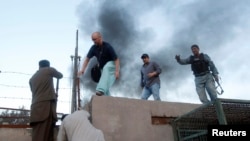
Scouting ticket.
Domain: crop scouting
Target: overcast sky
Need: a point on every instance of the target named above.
(31, 31)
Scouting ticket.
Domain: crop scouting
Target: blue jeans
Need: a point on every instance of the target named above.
(154, 90)
(206, 82)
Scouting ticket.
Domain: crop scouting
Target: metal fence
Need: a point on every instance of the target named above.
(16, 118)
(193, 126)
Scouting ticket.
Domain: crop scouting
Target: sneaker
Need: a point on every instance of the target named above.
(99, 93)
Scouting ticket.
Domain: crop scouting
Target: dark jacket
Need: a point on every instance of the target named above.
(43, 93)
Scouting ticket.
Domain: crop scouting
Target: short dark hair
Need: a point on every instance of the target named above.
(144, 56)
(44, 63)
(194, 45)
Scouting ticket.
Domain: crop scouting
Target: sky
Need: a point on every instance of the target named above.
(31, 31)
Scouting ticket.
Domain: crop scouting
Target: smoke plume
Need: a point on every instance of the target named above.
(162, 29)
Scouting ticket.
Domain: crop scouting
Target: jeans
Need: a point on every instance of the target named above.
(154, 90)
(206, 82)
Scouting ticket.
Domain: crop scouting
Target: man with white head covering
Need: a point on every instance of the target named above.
(77, 127)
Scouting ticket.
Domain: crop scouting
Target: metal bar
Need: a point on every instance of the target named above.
(193, 111)
(220, 113)
(233, 100)
(57, 86)
(175, 131)
(14, 126)
(200, 133)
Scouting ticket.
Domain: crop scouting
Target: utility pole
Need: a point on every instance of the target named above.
(75, 77)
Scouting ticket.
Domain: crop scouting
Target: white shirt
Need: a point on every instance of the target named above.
(77, 127)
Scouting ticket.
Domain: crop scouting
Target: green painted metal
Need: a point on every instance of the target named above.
(193, 125)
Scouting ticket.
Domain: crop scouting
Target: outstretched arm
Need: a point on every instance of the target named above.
(178, 58)
(85, 64)
(182, 61)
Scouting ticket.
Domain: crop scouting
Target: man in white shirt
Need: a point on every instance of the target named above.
(77, 127)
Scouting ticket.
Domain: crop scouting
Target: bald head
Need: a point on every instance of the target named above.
(96, 34)
(97, 38)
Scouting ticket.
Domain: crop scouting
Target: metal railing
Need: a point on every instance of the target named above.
(16, 118)
(193, 126)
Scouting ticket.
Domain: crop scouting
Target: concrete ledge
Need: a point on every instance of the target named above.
(15, 134)
(124, 119)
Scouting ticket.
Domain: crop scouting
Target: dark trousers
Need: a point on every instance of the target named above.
(44, 130)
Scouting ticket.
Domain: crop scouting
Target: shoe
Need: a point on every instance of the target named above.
(99, 93)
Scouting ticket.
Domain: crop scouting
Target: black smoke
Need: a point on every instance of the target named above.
(132, 28)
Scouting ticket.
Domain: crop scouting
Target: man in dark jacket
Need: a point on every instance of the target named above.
(204, 71)
(43, 107)
(108, 62)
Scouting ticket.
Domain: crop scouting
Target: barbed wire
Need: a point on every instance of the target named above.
(13, 72)
(15, 86)
(26, 87)
(69, 78)
(21, 98)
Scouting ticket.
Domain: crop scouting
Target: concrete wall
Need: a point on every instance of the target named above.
(15, 134)
(19, 134)
(123, 119)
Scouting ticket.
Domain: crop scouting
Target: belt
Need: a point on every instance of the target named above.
(201, 74)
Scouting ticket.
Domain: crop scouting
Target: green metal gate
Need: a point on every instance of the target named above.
(193, 126)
